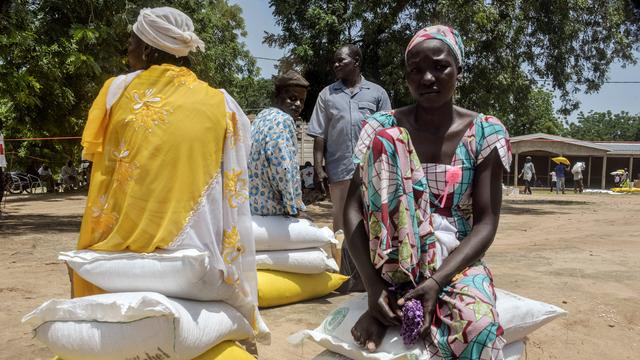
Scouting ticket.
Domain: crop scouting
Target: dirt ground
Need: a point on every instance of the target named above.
(580, 252)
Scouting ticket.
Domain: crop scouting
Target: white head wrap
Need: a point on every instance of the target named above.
(167, 29)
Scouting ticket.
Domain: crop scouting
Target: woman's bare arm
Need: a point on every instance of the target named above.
(380, 304)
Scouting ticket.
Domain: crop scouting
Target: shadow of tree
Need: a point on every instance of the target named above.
(325, 299)
(325, 205)
(18, 224)
(516, 210)
(53, 197)
(321, 212)
(546, 202)
(536, 206)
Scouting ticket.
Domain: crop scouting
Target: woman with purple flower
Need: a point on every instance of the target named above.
(424, 208)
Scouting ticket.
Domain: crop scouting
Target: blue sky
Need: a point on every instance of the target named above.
(258, 19)
(614, 97)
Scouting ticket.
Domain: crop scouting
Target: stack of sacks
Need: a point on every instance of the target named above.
(169, 304)
(293, 262)
(138, 325)
(519, 317)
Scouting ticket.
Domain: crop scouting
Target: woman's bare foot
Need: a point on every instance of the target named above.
(368, 332)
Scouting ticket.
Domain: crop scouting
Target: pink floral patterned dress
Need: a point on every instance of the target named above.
(406, 206)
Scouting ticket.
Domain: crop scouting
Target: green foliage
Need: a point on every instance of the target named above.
(509, 45)
(605, 126)
(256, 94)
(534, 114)
(56, 54)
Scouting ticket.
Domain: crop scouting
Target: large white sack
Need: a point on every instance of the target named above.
(301, 261)
(511, 351)
(132, 325)
(518, 316)
(185, 274)
(446, 236)
(285, 233)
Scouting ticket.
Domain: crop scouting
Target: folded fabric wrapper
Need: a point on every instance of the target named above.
(519, 317)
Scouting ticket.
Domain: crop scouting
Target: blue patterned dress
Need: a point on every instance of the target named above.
(274, 174)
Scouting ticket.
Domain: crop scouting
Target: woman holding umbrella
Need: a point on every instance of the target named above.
(561, 167)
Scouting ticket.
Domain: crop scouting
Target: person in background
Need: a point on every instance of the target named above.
(44, 173)
(32, 169)
(624, 180)
(577, 169)
(1, 187)
(335, 126)
(560, 170)
(3, 164)
(274, 173)
(69, 176)
(85, 172)
(307, 175)
(554, 179)
(528, 175)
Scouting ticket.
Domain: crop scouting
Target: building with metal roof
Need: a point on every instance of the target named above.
(600, 158)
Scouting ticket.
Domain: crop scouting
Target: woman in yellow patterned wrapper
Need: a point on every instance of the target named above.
(169, 161)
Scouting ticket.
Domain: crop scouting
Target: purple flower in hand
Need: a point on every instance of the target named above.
(412, 320)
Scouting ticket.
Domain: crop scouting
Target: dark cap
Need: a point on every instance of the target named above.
(291, 78)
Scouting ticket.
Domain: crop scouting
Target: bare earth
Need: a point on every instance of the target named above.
(580, 252)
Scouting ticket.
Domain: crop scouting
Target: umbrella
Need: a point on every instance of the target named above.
(561, 160)
(617, 172)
